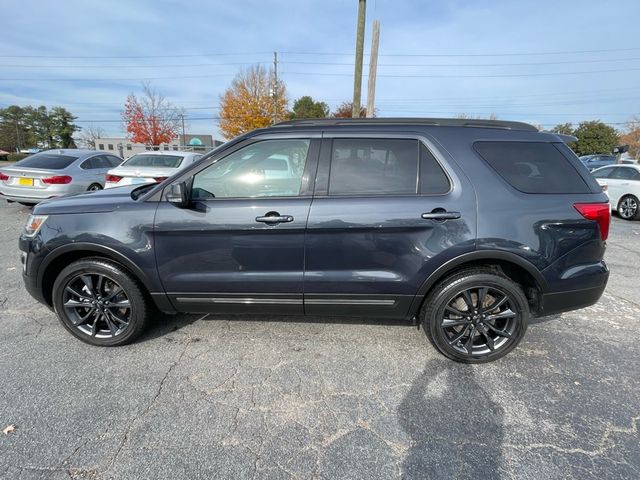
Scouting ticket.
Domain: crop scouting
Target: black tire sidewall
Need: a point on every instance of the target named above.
(114, 272)
(91, 189)
(453, 285)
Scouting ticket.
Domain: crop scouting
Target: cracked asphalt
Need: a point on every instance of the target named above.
(249, 397)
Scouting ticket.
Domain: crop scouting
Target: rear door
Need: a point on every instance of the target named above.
(240, 244)
(387, 211)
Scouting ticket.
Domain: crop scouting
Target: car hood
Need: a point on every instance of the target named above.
(88, 202)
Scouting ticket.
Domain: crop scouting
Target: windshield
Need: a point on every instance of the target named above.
(48, 160)
(157, 161)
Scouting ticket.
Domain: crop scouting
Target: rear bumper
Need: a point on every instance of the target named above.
(25, 199)
(551, 303)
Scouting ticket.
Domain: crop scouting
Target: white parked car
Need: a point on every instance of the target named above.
(149, 167)
(623, 182)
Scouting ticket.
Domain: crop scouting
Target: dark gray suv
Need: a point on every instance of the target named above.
(469, 227)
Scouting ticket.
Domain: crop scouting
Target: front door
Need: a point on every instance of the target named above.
(240, 244)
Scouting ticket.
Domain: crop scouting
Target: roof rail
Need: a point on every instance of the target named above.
(442, 122)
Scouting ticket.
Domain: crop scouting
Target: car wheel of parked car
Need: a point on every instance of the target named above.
(475, 316)
(94, 187)
(100, 303)
(628, 208)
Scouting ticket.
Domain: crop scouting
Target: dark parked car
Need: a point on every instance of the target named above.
(467, 226)
(596, 161)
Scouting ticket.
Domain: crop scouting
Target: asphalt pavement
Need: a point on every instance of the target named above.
(292, 397)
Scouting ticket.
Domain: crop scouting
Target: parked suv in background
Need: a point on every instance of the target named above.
(468, 226)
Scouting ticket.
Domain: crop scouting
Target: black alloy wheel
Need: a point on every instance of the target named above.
(475, 316)
(100, 303)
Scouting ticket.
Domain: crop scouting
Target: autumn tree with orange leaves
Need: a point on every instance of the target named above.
(249, 102)
(150, 119)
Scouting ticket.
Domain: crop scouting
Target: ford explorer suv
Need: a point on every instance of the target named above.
(467, 227)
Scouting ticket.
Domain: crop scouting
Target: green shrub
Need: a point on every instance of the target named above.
(14, 157)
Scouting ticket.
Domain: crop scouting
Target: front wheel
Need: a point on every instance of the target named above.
(100, 303)
(475, 316)
(628, 208)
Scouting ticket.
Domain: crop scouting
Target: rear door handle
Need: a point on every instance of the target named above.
(274, 218)
(441, 215)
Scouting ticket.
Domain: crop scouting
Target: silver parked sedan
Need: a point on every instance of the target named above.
(55, 173)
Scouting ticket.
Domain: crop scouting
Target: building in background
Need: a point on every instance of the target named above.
(124, 148)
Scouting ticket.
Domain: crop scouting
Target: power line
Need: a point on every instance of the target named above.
(220, 54)
(501, 54)
(183, 77)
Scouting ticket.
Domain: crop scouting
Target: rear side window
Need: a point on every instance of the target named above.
(433, 180)
(369, 166)
(532, 167)
(603, 172)
(49, 161)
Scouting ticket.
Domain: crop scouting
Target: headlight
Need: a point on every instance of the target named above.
(33, 224)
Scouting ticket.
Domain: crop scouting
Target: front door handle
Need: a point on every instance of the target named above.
(273, 218)
(439, 214)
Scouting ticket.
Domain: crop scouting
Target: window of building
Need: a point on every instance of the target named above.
(101, 146)
(110, 146)
(128, 146)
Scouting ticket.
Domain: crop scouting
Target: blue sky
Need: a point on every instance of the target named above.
(543, 62)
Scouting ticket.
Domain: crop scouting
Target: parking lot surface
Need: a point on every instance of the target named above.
(293, 397)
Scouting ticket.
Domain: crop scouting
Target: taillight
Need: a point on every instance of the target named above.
(599, 212)
(160, 179)
(112, 178)
(57, 180)
(4, 177)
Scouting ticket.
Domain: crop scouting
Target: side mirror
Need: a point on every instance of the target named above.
(177, 195)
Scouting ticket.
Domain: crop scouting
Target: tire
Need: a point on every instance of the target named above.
(478, 337)
(88, 302)
(94, 187)
(629, 208)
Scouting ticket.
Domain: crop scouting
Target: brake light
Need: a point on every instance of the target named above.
(112, 178)
(4, 177)
(57, 180)
(598, 212)
(160, 179)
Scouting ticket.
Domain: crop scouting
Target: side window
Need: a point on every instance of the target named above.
(373, 167)
(87, 164)
(113, 162)
(532, 167)
(623, 173)
(269, 168)
(603, 172)
(433, 180)
(93, 163)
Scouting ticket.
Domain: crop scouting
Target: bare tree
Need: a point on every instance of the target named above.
(90, 134)
(151, 119)
(466, 116)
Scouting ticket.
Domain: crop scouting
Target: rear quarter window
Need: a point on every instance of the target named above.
(532, 167)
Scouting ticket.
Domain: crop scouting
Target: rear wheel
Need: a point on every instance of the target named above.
(94, 187)
(475, 316)
(628, 208)
(100, 303)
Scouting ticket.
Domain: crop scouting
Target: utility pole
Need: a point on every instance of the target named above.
(184, 141)
(275, 87)
(357, 74)
(373, 68)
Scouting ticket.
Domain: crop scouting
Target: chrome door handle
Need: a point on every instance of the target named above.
(274, 218)
(441, 215)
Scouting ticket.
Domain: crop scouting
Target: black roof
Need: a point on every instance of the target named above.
(443, 122)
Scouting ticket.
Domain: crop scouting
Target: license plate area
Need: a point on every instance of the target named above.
(25, 182)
